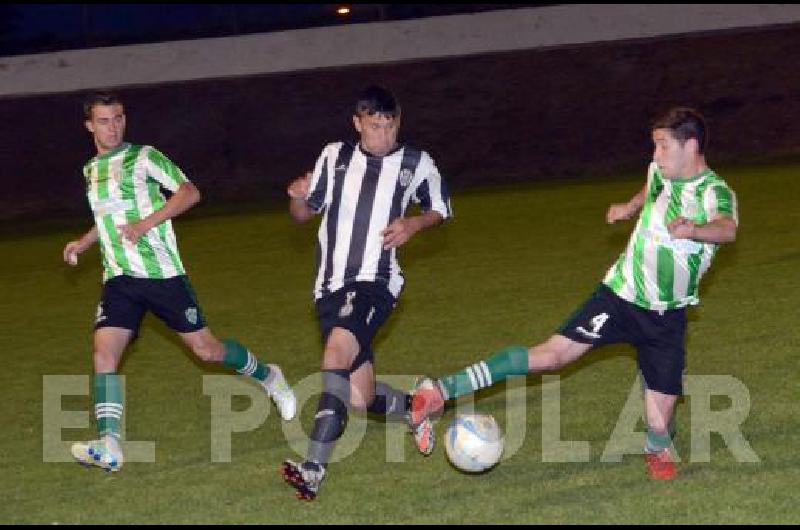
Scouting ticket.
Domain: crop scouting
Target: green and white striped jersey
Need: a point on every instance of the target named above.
(123, 187)
(656, 271)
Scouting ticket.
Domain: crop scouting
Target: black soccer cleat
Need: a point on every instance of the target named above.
(305, 478)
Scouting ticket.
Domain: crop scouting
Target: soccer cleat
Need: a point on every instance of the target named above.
(305, 478)
(426, 401)
(104, 453)
(281, 393)
(660, 465)
(424, 436)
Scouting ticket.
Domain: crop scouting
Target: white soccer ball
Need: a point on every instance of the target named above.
(473, 442)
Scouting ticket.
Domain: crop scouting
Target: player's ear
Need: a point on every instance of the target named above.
(357, 122)
(89, 126)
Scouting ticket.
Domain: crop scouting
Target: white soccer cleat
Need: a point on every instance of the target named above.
(281, 393)
(105, 453)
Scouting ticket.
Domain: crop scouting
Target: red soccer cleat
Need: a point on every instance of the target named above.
(426, 401)
(660, 465)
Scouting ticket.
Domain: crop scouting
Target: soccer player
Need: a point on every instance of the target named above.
(143, 271)
(687, 211)
(364, 190)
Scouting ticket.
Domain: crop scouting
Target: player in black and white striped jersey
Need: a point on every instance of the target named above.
(363, 191)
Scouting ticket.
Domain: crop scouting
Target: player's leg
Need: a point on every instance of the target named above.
(106, 451)
(395, 405)
(362, 387)
(378, 397)
(557, 351)
(658, 411)
(593, 324)
(119, 315)
(235, 356)
(330, 420)
(661, 358)
(174, 301)
(659, 408)
(349, 319)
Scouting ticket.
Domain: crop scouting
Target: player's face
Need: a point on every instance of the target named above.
(378, 132)
(673, 158)
(107, 125)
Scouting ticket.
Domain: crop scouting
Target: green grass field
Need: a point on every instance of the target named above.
(512, 265)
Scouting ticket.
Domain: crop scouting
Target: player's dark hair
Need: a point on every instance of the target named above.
(100, 97)
(685, 123)
(377, 99)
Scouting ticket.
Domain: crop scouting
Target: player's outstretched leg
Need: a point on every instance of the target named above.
(429, 396)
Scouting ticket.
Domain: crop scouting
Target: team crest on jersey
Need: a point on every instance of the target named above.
(191, 315)
(405, 176)
(347, 308)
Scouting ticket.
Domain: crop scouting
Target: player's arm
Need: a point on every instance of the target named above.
(626, 210)
(186, 196)
(403, 228)
(431, 194)
(298, 191)
(73, 248)
(720, 229)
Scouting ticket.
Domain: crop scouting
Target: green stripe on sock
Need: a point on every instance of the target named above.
(503, 364)
(108, 404)
(236, 357)
(657, 442)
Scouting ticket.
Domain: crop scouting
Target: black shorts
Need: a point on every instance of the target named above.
(658, 336)
(360, 308)
(125, 300)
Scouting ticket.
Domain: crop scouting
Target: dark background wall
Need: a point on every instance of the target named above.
(493, 118)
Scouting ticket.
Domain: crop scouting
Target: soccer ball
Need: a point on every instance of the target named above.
(473, 442)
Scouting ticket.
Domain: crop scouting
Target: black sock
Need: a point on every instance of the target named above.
(390, 402)
(331, 418)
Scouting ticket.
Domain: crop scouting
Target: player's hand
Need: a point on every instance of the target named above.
(71, 251)
(619, 212)
(298, 188)
(398, 232)
(133, 231)
(682, 228)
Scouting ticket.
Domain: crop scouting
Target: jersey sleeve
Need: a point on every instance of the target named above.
(319, 195)
(163, 170)
(431, 191)
(719, 199)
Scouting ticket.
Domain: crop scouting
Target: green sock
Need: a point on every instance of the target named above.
(108, 404)
(498, 367)
(657, 442)
(244, 362)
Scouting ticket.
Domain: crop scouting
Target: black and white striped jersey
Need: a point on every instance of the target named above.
(361, 194)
